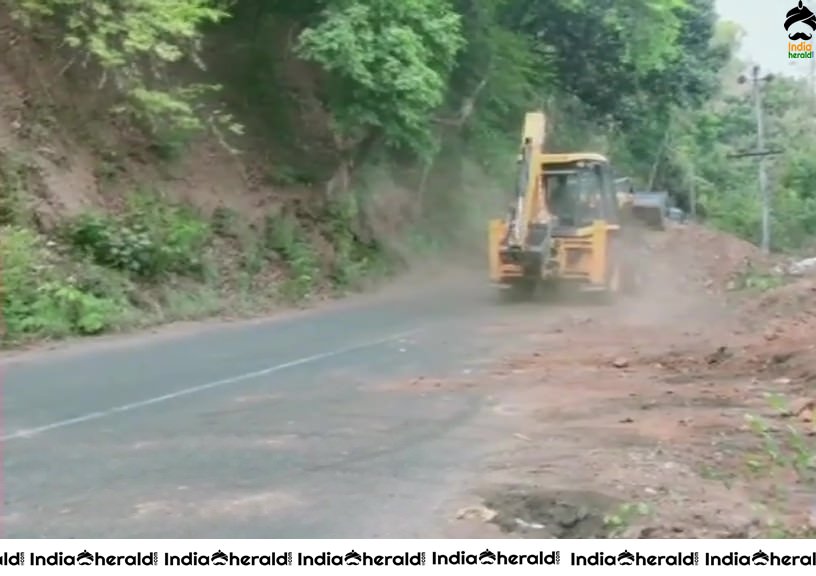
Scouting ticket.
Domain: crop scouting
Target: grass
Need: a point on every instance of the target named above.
(756, 281)
(783, 459)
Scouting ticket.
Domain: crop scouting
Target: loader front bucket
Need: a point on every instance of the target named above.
(650, 208)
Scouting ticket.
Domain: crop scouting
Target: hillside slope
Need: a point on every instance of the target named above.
(183, 158)
(103, 229)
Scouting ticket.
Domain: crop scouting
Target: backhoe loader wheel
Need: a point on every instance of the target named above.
(615, 279)
(617, 276)
(632, 270)
(629, 281)
(624, 272)
(520, 291)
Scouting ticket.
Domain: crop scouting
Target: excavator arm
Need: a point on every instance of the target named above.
(529, 200)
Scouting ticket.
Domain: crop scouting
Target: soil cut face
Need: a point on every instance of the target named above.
(654, 418)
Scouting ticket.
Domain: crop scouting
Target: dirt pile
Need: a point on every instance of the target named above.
(774, 312)
(795, 299)
(780, 324)
(709, 257)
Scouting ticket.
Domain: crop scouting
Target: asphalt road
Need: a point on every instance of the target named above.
(299, 427)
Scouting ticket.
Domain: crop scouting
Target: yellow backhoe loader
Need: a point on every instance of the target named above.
(564, 225)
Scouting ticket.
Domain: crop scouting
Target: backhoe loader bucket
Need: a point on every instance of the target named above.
(650, 208)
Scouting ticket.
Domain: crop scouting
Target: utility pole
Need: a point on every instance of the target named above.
(761, 153)
(763, 175)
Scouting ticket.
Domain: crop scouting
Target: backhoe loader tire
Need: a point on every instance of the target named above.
(630, 256)
(520, 291)
(629, 280)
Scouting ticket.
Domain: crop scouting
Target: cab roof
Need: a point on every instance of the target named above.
(573, 157)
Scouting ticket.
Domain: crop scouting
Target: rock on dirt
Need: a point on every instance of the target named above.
(534, 513)
(480, 513)
(801, 407)
(770, 334)
(721, 354)
(803, 267)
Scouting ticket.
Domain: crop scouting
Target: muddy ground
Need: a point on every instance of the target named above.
(675, 414)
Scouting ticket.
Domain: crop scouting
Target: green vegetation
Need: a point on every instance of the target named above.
(158, 260)
(287, 237)
(49, 296)
(152, 239)
(618, 521)
(783, 458)
(389, 64)
(426, 95)
(758, 281)
(133, 44)
(699, 141)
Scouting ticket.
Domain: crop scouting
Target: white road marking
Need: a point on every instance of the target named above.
(200, 388)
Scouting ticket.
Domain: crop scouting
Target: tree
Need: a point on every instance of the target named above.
(389, 64)
(132, 44)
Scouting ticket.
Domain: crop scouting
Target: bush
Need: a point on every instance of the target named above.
(354, 261)
(285, 236)
(13, 184)
(152, 240)
(41, 297)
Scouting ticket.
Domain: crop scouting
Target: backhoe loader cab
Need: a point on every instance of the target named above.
(577, 190)
(564, 220)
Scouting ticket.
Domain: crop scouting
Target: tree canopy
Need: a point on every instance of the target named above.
(647, 81)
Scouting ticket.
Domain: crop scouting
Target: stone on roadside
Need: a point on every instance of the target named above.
(620, 362)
